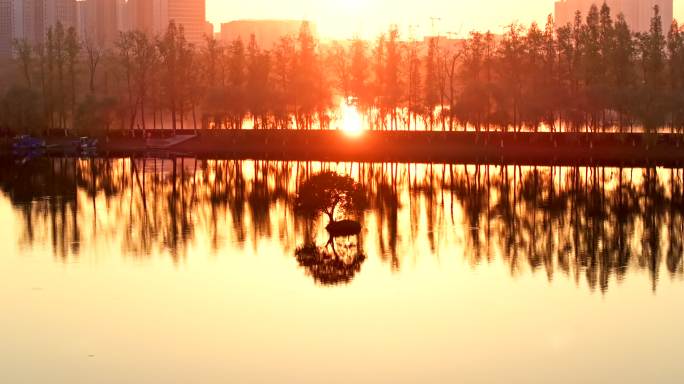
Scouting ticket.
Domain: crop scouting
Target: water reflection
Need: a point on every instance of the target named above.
(590, 224)
(337, 262)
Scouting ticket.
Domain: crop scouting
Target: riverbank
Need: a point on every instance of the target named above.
(607, 149)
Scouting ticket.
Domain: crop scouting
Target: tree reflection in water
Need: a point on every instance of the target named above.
(340, 199)
(590, 224)
(335, 263)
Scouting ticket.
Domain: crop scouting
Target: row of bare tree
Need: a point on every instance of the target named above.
(594, 74)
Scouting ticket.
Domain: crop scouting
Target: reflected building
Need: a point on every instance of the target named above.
(638, 13)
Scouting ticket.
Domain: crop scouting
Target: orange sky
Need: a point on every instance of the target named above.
(345, 18)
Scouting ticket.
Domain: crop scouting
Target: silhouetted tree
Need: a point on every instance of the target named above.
(651, 47)
(25, 55)
(432, 86)
(675, 65)
(359, 74)
(592, 74)
(329, 192)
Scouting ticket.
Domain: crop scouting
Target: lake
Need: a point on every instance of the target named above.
(188, 270)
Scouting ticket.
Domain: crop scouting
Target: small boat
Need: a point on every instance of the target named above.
(27, 143)
(86, 146)
(87, 143)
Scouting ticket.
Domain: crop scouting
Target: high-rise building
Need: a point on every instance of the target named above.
(145, 15)
(82, 18)
(37, 16)
(62, 11)
(121, 21)
(20, 19)
(154, 16)
(100, 21)
(6, 28)
(638, 13)
(191, 14)
(33, 21)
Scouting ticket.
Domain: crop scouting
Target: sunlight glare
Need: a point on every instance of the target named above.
(352, 122)
(353, 4)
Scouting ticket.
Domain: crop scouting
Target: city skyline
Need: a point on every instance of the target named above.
(100, 21)
(338, 19)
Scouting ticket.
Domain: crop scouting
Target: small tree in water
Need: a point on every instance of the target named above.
(330, 193)
(341, 257)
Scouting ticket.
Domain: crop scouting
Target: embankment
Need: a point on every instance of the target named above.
(609, 149)
(444, 147)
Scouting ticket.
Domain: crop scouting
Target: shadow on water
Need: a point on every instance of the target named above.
(593, 225)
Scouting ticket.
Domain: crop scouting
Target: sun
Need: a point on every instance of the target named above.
(352, 122)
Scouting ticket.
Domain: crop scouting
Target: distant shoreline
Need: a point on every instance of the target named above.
(524, 148)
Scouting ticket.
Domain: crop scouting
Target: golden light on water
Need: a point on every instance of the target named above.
(204, 247)
(351, 120)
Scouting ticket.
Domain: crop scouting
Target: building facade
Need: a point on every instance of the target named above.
(35, 17)
(638, 13)
(99, 21)
(6, 28)
(191, 14)
(145, 15)
(33, 21)
(59, 11)
(153, 17)
(30, 19)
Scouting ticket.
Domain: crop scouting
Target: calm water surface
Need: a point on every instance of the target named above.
(196, 271)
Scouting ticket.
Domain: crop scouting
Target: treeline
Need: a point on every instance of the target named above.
(591, 75)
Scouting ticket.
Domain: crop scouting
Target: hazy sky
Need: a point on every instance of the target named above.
(345, 18)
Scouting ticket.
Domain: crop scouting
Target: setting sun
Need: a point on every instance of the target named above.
(351, 120)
